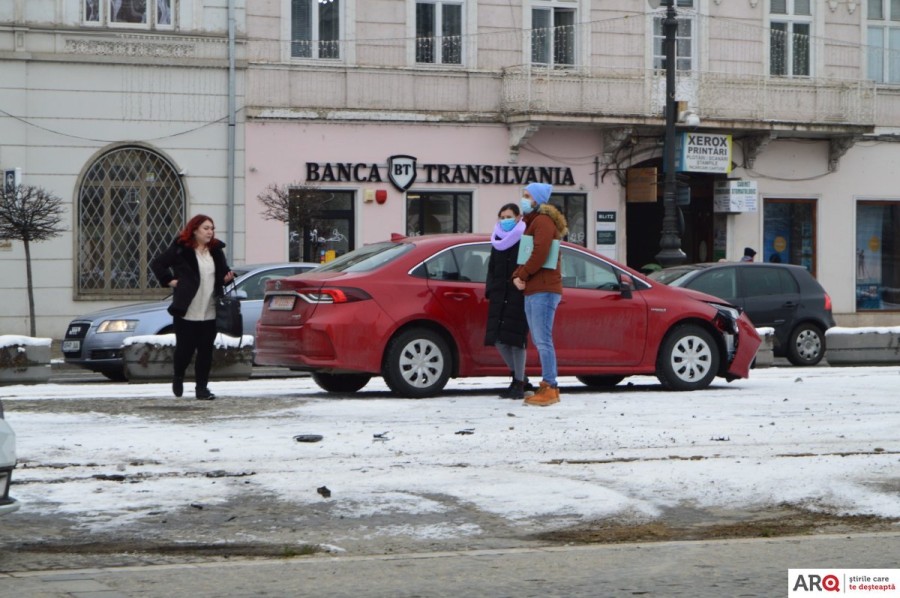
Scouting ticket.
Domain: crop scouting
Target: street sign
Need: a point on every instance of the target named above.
(12, 178)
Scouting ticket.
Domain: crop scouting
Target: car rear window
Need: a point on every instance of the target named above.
(366, 258)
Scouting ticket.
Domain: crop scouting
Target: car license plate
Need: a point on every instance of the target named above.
(71, 346)
(282, 303)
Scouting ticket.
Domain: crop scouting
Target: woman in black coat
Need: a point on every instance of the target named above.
(196, 268)
(507, 328)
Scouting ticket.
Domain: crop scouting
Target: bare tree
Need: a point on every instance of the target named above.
(298, 206)
(29, 214)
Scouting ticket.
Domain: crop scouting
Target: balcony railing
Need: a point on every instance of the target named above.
(482, 76)
(715, 96)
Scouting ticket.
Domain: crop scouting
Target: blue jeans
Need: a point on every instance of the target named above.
(540, 309)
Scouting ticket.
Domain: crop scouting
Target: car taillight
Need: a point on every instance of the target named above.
(334, 295)
(827, 302)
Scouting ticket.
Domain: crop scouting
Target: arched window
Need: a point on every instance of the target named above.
(130, 207)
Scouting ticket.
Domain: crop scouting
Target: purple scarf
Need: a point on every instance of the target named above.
(502, 240)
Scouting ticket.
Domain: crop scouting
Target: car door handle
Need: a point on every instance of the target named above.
(456, 295)
(789, 304)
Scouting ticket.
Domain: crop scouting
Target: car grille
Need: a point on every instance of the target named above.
(75, 334)
(77, 330)
(106, 354)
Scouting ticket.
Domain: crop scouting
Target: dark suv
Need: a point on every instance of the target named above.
(781, 296)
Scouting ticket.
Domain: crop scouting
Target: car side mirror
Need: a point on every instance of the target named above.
(240, 294)
(626, 286)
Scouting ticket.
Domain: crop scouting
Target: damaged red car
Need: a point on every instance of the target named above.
(412, 310)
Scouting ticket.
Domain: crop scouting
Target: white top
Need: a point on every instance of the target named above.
(202, 307)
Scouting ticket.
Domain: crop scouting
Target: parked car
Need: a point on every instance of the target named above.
(413, 311)
(94, 341)
(781, 296)
(7, 463)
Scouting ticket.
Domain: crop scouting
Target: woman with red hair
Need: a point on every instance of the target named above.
(196, 268)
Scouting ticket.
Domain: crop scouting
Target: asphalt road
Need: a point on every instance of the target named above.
(733, 568)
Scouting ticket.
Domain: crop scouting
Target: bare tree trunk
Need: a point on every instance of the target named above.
(30, 284)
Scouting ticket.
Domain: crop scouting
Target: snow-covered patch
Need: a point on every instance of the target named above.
(819, 438)
(168, 340)
(862, 330)
(14, 340)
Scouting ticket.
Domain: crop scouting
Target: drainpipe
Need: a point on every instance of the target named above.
(229, 238)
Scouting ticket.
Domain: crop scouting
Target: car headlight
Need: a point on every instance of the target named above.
(732, 312)
(117, 326)
(726, 318)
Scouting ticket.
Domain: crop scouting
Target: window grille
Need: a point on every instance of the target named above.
(130, 207)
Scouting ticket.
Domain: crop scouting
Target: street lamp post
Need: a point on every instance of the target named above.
(670, 253)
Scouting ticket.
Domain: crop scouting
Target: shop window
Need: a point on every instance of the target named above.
(315, 28)
(883, 45)
(552, 34)
(125, 13)
(430, 213)
(684, 40)
(574, 208)
(789, 38)
(327, 232)
(130, 207)
(439, 32)
(789, 232)
(877, 255)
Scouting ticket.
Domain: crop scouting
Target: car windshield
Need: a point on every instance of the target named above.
(670, 275)
(366, 258)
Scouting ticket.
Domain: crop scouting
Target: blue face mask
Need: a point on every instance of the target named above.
(507, 224)
(526, 206)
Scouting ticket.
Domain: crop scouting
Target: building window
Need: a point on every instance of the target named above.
(146, 13)
(574, 208)
(884, 41)
(552, 35)
(878, 255)
(315, 28)
(789, 232)
(789, 38)
(429, 213)
(439, 32)
(329, 233)
(684, 40)
(130, 207)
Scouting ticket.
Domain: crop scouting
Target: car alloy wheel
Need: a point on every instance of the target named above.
(806, 346)
(417, 363)
(688, 359)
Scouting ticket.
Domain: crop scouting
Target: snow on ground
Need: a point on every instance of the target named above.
(819, 438)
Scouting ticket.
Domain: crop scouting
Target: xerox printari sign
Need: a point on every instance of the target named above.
(402, 171)
(704, 152)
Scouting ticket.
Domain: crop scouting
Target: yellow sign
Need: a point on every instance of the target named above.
(875, 244)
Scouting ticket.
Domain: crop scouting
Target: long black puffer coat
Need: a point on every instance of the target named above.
(180, 261)
(506, 304)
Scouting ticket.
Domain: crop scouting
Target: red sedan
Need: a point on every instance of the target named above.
(412, 310)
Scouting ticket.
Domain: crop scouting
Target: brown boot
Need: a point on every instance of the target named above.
(545, 395)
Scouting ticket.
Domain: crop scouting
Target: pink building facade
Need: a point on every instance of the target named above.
(463, 175)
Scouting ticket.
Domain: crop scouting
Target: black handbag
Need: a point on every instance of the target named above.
(228, 315)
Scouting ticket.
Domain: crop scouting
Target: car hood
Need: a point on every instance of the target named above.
(126, 311)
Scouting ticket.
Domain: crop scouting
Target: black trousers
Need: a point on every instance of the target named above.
(192, 336)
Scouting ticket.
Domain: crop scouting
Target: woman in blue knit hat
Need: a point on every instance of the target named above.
(542, 286)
